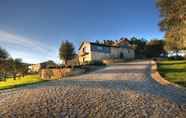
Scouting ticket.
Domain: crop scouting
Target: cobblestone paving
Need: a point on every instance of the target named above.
(118, 91)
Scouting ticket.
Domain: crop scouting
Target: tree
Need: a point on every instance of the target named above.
(3, 62)
(154, 48)
(51, 64)
(139, 45)
(108, 42)
(173, 23)
(66, 51)
(23, 69)
(10, 66)
(3, 54)
(15, 67)
(123, 41)
(97, 42)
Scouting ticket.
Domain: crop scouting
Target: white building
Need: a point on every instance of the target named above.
(89, 51)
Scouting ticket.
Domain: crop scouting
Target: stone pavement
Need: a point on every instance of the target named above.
(123, 90)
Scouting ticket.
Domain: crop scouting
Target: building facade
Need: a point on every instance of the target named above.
(34, 67)
(89, 51)
(39, 66)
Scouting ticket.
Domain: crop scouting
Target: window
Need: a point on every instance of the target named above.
(102, 49)
(121, 55)
(83, 59)
(84, 49)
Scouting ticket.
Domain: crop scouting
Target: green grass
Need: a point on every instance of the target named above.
(29, 79)
(173, 71)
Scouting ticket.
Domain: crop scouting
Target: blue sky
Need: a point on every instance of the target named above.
(33, 29)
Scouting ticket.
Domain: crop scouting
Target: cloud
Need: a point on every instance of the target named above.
(17, 40)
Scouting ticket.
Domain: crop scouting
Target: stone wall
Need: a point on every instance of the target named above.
(52, 74)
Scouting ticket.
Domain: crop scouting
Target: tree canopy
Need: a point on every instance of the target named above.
(154, 48)
(11, 66)
(66, 51)
(173, 23)
(50, 64)
(139, 45)
(3, 54)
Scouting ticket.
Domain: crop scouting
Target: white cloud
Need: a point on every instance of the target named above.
(30, 50)
(10, 38)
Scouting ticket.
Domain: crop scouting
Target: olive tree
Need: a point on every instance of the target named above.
(3, 63)
(173, 23)
(66, 51)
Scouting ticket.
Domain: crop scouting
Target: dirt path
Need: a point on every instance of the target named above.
(120, 90)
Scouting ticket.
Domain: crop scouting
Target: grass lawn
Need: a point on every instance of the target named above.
(173, 71)
(29, 79)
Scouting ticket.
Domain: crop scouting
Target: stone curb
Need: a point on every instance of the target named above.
(157, 77)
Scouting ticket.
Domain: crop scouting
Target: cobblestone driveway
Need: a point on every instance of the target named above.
(122, 90)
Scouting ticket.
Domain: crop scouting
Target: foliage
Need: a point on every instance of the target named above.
(3, 54)
(16, 66)
(173, 71)
(108, 42)
(144, 48)
(3, 62)
(96, 63)
(173, 22)
(3, 57)
(11, 83)
(97, 42)
(154, 48)
(51, 64)
(139, 45)
(121, 42)
(10, 66)
(176, 58)
(66, 51)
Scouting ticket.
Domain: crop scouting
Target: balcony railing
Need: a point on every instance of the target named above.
(84, 53)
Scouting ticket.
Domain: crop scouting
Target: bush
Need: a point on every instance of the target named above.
(183, 83)
(176, 58)
(97, 63)
(184, 57)
(69, 66)
(78, 66)
(155, 59)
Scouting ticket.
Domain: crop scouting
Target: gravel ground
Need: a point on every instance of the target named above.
(121, 90)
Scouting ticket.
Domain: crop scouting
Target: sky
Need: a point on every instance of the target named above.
(34, 29)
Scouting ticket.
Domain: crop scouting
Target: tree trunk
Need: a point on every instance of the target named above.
(14, 76)
(23, 75)
(4, 76)
(177, 53)
(66, 62)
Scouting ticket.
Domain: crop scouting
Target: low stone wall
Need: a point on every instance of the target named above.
(156, 75)
(112, 61)
(107, 61)
(51, 74)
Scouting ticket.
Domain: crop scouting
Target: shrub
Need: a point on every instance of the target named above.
(77, 66)
(68, 66)
(184, 57)
(97, 63)
(176, 58)
(155, 59)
